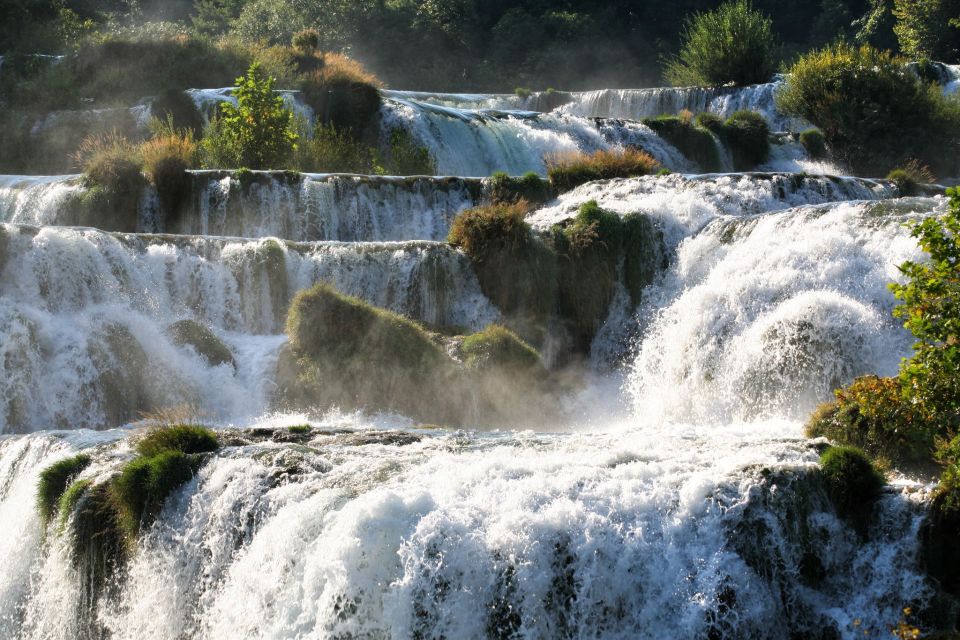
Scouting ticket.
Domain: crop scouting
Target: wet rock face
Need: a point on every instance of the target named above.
(203, 340)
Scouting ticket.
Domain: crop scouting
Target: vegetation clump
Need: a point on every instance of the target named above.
(499, 349)
(256, 133)
(872, 110)
(814, 143)
(530, 187)
(203, 340)
(747, 135)
(145, 483)
(567, 171)
(909, 178)
(342, 93)
(404, 157)
(54, 481)
(733, 44)
(185, 438)
(176, 106)
(851, 481)
(166, 158)
(695, 142)
(112, 168)
(332, 150)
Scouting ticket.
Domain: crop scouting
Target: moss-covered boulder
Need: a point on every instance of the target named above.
(145, 483)
(852, 483)
(694, 142)
(54, 481)
(121, 365)
(203, 340)
(347, 353)
(185, 438)
(505, 189)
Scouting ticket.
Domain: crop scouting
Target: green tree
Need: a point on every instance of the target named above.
(924, 29)
(257, 133)
(732, 44)
(931, 311)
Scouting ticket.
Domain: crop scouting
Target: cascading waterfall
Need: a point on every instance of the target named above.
(696, 511)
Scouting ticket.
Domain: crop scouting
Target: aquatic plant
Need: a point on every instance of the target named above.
(54, 480)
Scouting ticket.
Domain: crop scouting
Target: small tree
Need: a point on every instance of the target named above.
(931, 311)
(732, 44)
(925, 30)
(257, 133)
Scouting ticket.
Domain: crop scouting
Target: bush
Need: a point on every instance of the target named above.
(732, 44)
(505, 189)
(931, 311)
(522, 92)
(256, 133)
(925, 29)
(496, 348)
(145, 483)
(405, 157)
(342, 93)
(166, 159)
(485, 231)
(307, 40)
(747, 136)
(54, 480)
(356, 356)
(909, 178)
(567, 171)
(333, 151)
(871, 414)
(694, 142)
(851, 481)
(113, 164)
(814, 143)
(177, 107)
(203, 340)
(873, 112)
(185, 438)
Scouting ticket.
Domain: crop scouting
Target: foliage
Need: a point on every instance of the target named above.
(851, 481)
(529, 187)
(871, 414)
(112, 162)
(342, 92)
(747, 136)
(484, 231)
(872, 110)
(185, 438)
(733, 44)
(54, 480)
(930, 309)
(498, 348)
(694, 142)
(404, 157)
(925, 31)
(330, 150)
(257, 132)
(814, 143)
(909, 177)
(166, 158)
(306, 40)
(569, 170)
(178, 108)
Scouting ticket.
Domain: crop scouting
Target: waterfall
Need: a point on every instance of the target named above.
(36, 200)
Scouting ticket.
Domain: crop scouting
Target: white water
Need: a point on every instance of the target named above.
(36, 200)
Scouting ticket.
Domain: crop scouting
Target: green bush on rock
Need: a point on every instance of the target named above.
(54, 481)
(814, 143)
(747, 136)
(851, 481)
(530, 187)
(498, 348)
(145, 483)
(694, 142)
(185, 438)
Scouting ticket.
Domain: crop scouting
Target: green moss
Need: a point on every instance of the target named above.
(96, 540)
(270, 266)
(71, 497)
(522, 92)
(185, 438)
(54, 480)
(506, 189)
(695, 143)
(645, 254)
(353, 355)
(245, 177)
(871, 414)
(814, 143)
(203, 340)
(145, 483)
(342, 93)
(300, 429)
(851, 481)
(498, 348)
(906, 183)
(747, 136)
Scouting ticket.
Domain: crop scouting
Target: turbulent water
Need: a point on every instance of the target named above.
(677, 500)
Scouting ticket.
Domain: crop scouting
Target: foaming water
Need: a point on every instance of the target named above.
(36, 200)
(765, 315)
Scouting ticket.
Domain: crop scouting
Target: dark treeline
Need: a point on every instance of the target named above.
(458, 45)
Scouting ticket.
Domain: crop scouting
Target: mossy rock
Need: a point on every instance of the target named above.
(121, 363)
(496, 348)
(852, 483)
(940, 534)
(695, 143)
(747, 136)
(203, 340)
(185, 438)
(71, 498)
(4, 247)
(350, 354)
(177, 106)
(145, 483)
(54, 481)
(645, 254)
(502, 188)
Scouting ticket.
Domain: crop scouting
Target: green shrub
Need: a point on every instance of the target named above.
(176, 106)
(506, 189)
(201, 338)
(330, 150)
(925, 29)
(930, 308)
(185, 438)
(747, 136)
(405, 157)
(113, 170)
(732, 44)
(257, 133)
(145, 483)
(871, 414)
(695, 143)
(300, 429)
(709, 121)
(356, 356)
(496, 348)
(814, 143)
(54, 480)
(484, 231)
(342, 93)
(851, 481)
(522, 92)
(567, 171)
(873, 112)
(909, 178)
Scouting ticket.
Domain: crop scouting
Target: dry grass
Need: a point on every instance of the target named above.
(111, 161)
(568, 170)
